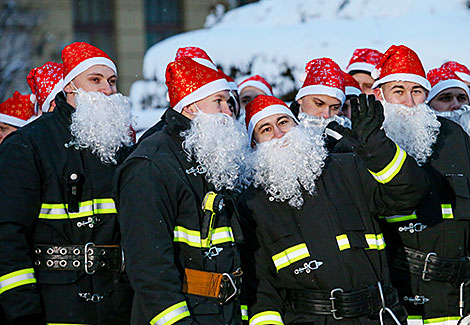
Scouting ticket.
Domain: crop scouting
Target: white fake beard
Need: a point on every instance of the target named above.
(101, 124)
(460, 116)
(414, 129)
(282, 167)
(219, 144)
(317, 124)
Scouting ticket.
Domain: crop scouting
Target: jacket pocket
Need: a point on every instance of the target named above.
(461, 187)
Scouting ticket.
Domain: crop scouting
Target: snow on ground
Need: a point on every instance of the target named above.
(275, 38)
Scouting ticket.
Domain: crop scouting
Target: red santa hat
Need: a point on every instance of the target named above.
(351, 85)
(263, 106)
(460, 70)
(232, 84)
(324, 77)
(16, 110)
(197, 54)
(258, 82)
(45, 83)
(364, 60)
(400, 63)
(80, 56)
(442, 79)
(189, 82)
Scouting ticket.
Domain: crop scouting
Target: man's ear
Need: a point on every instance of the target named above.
(378, 94)
(190, 109)
(69, 88)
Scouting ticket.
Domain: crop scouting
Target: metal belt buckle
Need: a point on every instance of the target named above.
(224, 296)
(332, 299)
(88, 247)
(425, 268)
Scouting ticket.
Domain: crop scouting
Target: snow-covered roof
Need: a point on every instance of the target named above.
(271, 37)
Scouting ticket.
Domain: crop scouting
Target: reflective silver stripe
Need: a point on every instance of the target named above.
(85, 209)
(447, 212)
(222, 235)
(171, 315)
(193, 237)
(244, 310)
(388, 173)
(290, 255)
(375, 241)
(267, 317)
(16, 279)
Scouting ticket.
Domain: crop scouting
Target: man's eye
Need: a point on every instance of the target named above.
(446, 99)
(335, 108)
(462, 98)
(398, 92)
(265, 130)
(417, 92)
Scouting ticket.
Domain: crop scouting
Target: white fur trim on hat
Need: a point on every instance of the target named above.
(352, 91)
(361, 66)
(201, 93)
(403, 77)
(57, 88)
(13, 121)
(256, 84)
(321, 90)
(88, 63)
(462, 75)
(233, 85)
(206, 63)
(268, 111)
(446, 84)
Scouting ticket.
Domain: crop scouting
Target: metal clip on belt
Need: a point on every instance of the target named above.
(222, 286)
(89, 257)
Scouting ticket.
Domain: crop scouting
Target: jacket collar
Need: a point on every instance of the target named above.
(63, 110)
(176, 123)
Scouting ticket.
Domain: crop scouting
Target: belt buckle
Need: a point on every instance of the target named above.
(332, 299)
(227, 279)
(425, 268)
(87, 247)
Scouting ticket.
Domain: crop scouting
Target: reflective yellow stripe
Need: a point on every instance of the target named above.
(290, 255)
(171, 315)
(343, 242)
(399, 218)
(244, 310)
(388, 173)
(85, 209)
(375, 241)
(266, 317)
(16, 279)
(447, 212)
(193, 237)
(448, 320)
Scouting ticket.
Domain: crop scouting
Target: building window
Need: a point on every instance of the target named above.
(163, 18)
(93, 23)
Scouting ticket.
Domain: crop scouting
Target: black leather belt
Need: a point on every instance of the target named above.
(430, 266)
(342, 304)
(89, 257)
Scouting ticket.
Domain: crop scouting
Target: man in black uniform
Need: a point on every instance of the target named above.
(314, 250)
(429, 248)
(59, 236)
(179, 232)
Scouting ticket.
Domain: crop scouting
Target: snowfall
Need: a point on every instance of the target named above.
(275, 38)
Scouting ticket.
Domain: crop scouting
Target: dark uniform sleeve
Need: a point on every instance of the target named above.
(20, 188)
(402, 184)
(262, 296)
(147, 213)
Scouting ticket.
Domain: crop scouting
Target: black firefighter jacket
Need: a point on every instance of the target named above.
(35, 166)
(440, 225)
(160, 198)
(334, 240)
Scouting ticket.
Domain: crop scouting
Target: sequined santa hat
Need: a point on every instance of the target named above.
(442, 79)
(400, 63)
(80, 56)
(45, 83)
(351, 85)
(189, 82)
(460, 70)
(263, 106)
(232, 84)
(324, 77)
(197, 54)
(17, 110)
(258, 82)
(364, 60)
